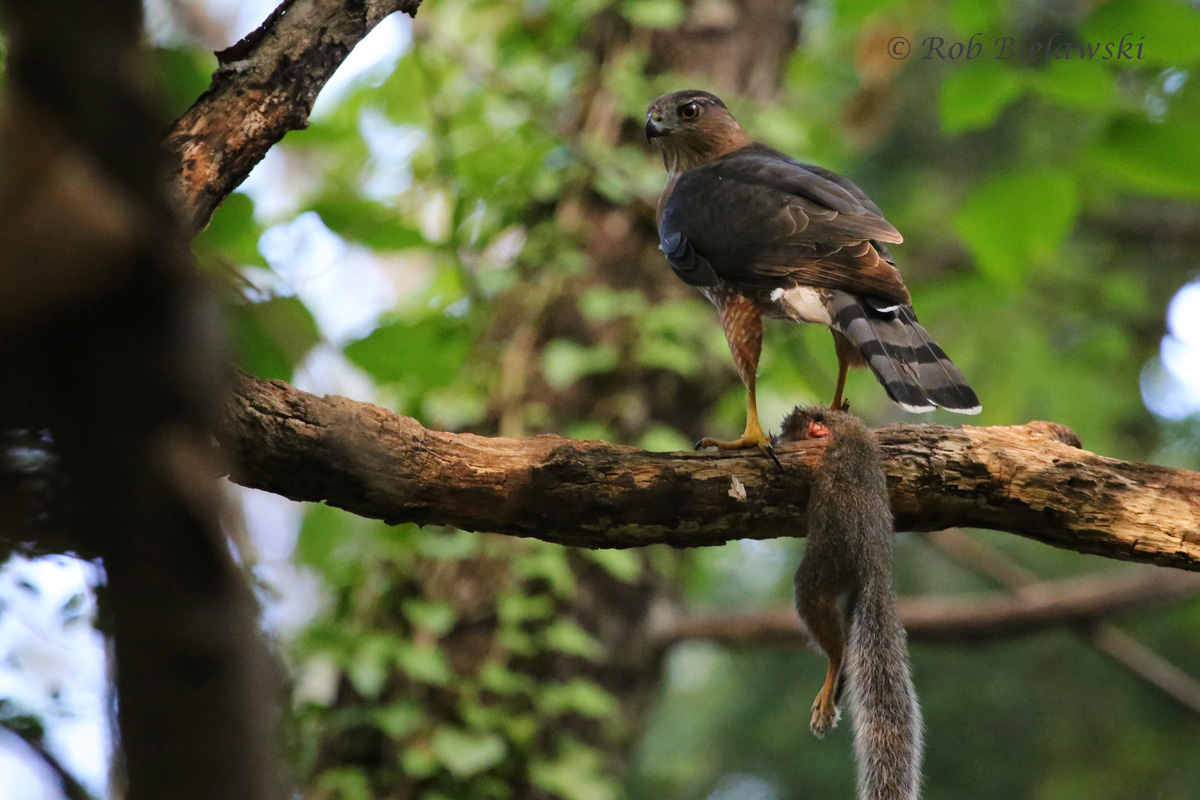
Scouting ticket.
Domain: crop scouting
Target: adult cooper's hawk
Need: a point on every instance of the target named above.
(762, 234)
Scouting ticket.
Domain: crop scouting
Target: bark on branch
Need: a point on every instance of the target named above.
(1032, 480)
(265, 86)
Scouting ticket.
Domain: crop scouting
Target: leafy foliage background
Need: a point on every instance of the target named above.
(466, 237)
(1031, 195)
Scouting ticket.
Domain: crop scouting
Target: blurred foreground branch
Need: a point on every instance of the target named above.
(1032, 480)
(112, 375)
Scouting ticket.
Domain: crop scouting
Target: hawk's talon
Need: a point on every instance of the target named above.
(769, 450)
(740, 443)
(749, 439)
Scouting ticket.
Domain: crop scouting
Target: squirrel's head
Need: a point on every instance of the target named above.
(814, 422)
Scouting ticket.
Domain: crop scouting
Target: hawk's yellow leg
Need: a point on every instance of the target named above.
(742, 321)
(839, 404)
(847, 356)
(753, 436)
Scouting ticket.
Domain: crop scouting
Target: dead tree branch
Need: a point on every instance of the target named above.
(265, 86)
(1029, 479)
(959, 618)
(1141, 661)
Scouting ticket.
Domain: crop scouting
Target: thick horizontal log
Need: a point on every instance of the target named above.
(1032, 480)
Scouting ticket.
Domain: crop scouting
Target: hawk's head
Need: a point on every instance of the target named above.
(692, 127)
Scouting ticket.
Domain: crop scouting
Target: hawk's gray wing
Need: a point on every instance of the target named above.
(758, 219)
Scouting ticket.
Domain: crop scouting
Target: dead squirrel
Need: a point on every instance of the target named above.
(845, 596)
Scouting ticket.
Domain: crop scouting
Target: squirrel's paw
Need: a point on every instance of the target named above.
(825, 717)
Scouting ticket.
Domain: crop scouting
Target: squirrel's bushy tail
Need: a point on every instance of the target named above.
(883, 701)
(915, 372)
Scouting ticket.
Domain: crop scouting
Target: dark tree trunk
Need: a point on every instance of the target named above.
(110, 359)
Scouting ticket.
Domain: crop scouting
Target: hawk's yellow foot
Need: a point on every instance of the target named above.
(752, 437)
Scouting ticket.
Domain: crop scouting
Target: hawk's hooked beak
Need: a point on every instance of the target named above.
(654, 129)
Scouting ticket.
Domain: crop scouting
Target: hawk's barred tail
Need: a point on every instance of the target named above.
(915, 372)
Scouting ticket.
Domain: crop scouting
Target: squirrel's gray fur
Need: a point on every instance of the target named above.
(846, 577)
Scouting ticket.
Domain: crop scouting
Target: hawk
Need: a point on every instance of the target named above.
(762, 234)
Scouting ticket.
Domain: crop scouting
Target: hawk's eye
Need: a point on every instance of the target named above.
(689, 111)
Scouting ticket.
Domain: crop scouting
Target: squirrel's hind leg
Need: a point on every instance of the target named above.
(824, 621)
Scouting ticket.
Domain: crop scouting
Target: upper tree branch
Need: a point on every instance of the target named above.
(265, 86)
(1025, 479)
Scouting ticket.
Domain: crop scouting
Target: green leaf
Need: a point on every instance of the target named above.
(549, 563)
(419, 760)
(567, 637)
(368, 669)
(971, 16)
(514, 608)
(233, 232)
(1084, 85)
(435, 616)
(653, 13)
(344, 783)
(398, 719)
(662, 439)
(974, 94)
(515, 640)
(658, 352)
(578, 696)
(320, 533)
(184, 74)
(602, 303)
(577, 774)
(464, 753)
(271, 337)
(565, 361)
(448, 545)
(422, 662)
(496, 677)
(522, 729)
(589, 431)
(854, 11)
(331, 640)
(420, 354)
(1015, 220)
(358, 219)
(1155, 157)
(1168, 31)
(624, 565)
